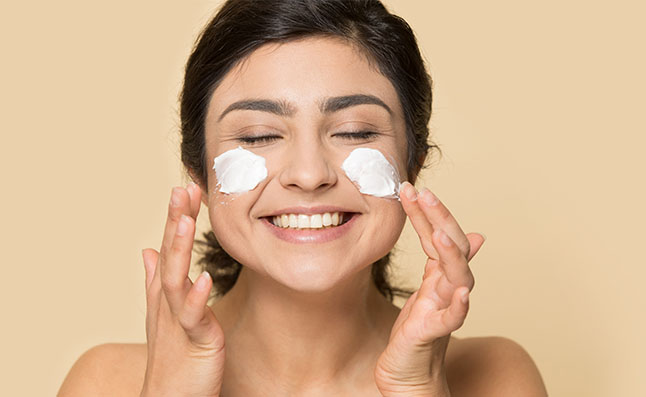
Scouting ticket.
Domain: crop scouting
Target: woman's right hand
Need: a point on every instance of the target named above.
(185, 340)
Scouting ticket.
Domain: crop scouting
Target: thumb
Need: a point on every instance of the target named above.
(198, 319)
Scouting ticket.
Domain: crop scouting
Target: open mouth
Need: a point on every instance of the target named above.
(326, 220)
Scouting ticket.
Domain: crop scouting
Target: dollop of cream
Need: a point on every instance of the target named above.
(239, 170)
(372, 173)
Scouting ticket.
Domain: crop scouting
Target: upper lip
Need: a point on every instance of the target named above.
(319, 209)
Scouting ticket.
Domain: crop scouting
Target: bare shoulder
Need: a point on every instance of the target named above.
(491, 366)
(109, 369)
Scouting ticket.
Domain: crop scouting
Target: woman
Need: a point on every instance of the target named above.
(299, 94)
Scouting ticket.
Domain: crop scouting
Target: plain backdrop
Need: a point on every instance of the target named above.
(538, 109)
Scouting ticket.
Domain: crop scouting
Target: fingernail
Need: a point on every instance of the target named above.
(410, 191)
(182, 226)
(465, 296)
(202, 281)
(428, 197)
(174, 197)
(445, 239)
(483, 236)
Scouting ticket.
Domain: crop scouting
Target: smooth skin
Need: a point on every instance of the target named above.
(489, 366)
(421, 332)
(271, 334)
(185, 340)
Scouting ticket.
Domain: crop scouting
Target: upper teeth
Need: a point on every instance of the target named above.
(301, 221)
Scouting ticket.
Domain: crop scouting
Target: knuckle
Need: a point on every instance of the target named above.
(178, 248)
(429, 249)
(186, 321)
(191, 302)
(471, 281)
(459, 322)
(444, 213)
(173, 213)
(171, 284)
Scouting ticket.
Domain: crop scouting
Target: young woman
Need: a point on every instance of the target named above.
(278, 97)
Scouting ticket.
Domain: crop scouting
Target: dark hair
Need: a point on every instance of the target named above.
(242, 26)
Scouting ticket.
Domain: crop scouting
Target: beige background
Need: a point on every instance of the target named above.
(538, 110)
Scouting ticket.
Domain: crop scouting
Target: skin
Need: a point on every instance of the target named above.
(305, 319)
(305, 287)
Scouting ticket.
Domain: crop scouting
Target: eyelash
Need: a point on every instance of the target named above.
(358, 135)
(258, 139)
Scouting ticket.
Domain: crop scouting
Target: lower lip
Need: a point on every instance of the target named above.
(310, 236)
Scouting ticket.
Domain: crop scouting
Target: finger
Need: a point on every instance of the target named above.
(175, 267)
(476, 241)
(179, 204)
(428, 291)
(150, 263)
(453, 262)
(430, 266)
(153, 294)
(439, 324)
(196, 317)
(453, 317)
(441, 218)
(403, 313)
(424, 301)
(194, 194)
(417, 218)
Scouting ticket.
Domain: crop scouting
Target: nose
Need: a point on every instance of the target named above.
(308, 168)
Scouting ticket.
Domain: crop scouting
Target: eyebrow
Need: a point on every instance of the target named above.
(334, 104)
(284, 108)
(280, 108)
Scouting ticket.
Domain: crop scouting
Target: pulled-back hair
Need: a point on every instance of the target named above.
(242, 26)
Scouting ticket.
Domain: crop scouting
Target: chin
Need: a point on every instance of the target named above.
(312, 276)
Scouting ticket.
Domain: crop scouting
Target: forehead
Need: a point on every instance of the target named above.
(303, 72)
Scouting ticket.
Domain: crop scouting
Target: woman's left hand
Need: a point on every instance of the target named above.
(413, 362)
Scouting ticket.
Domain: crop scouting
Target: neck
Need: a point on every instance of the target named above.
(300, 340)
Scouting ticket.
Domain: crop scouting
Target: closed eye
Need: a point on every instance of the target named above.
(258, 139)
(358, 135)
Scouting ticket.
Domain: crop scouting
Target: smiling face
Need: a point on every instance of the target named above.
(304, 106)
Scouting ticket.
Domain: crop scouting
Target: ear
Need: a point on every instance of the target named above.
(204, 196)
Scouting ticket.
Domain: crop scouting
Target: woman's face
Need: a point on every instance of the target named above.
(302, 101)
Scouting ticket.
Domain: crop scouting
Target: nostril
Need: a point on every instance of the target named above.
(311, 173)
(311, 185)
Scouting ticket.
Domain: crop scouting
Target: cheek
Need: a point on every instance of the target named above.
(394, 221)
(228, 215)
(388, 220)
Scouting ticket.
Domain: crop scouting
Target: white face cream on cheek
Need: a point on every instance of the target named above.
(372, 173)
(239, 170)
